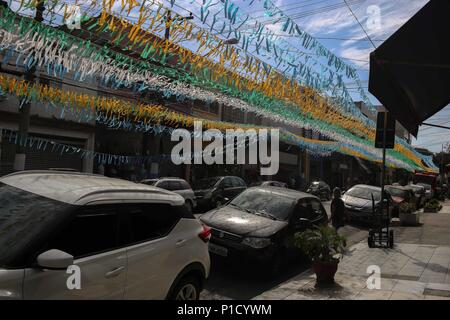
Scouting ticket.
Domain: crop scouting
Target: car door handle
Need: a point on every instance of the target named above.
(114, 272)
(180, 243)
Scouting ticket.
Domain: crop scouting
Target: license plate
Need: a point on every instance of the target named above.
(219, 250)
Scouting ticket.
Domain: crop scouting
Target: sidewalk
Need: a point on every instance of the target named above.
(413, 270)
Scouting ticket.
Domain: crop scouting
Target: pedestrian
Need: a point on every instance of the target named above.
(337, 209)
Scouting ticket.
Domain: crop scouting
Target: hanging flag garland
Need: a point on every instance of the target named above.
(268, 82)
(144, 114)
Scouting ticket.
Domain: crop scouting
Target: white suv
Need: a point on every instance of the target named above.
(80, 236)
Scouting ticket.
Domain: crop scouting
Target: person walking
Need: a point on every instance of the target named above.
(337, 210)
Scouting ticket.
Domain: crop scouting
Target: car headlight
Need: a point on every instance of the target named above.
(257, 243)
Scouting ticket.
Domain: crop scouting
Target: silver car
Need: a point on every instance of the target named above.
(177, 185)
(358, 202)
(81, 236)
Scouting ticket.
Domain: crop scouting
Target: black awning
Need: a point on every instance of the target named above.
(410, 72)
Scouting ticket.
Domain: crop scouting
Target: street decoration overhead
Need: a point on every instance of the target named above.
(206, 69)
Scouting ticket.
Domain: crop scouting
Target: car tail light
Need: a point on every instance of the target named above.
(205, 235)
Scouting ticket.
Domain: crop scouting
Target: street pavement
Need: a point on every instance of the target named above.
(231, 280)
(417, 268)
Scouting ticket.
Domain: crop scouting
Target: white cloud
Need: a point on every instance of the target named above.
(393, 15)
(327, 23)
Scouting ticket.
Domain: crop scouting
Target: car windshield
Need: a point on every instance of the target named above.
(206, 183)
(364, 193)
(395, 192)
(265, 202)
(150, 182)
(25, 219)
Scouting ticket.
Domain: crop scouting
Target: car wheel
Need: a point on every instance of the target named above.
(187, 289)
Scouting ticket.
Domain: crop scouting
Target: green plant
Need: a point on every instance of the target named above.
(322, 243)
(407, 207)
(433, 205)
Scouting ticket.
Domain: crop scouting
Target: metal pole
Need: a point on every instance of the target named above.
(442, 165)
(383, 168)
(383, 173)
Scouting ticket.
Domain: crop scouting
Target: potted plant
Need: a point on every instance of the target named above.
(325, 247)
(432, 206)
(408, 214)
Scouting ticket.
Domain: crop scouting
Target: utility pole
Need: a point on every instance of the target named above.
(24, 111)
(445, 147)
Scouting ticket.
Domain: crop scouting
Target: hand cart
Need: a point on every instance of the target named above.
(380, 235)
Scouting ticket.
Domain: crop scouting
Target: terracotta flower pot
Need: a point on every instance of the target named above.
(325, 271)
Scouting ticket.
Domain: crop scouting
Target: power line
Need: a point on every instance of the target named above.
(357, 20)
(305, 14)
(431, 144)
(294, 5)
(320, 38)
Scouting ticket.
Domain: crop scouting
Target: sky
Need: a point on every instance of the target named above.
(341, 24)
(335, 26)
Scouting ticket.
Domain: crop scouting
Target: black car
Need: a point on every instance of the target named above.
(259, 224)
(320, 189)
(213, 192)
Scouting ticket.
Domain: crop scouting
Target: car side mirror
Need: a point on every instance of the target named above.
(54, 259)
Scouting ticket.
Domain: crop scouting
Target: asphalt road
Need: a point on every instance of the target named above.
(232, 280)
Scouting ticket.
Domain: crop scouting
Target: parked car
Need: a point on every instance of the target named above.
(129, 241)
(257, 225)
(419, 194)
(400, 195)
(270, 184)
(428, 179)
(429, 194)
(177, 185)
(213, 192)
(358, 203)
(320, 189)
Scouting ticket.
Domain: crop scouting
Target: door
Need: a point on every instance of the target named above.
(95, 238)
(152, 255)
(318, 214)
(308, 212)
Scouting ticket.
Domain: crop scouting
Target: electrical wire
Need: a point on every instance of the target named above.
(357, 20)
